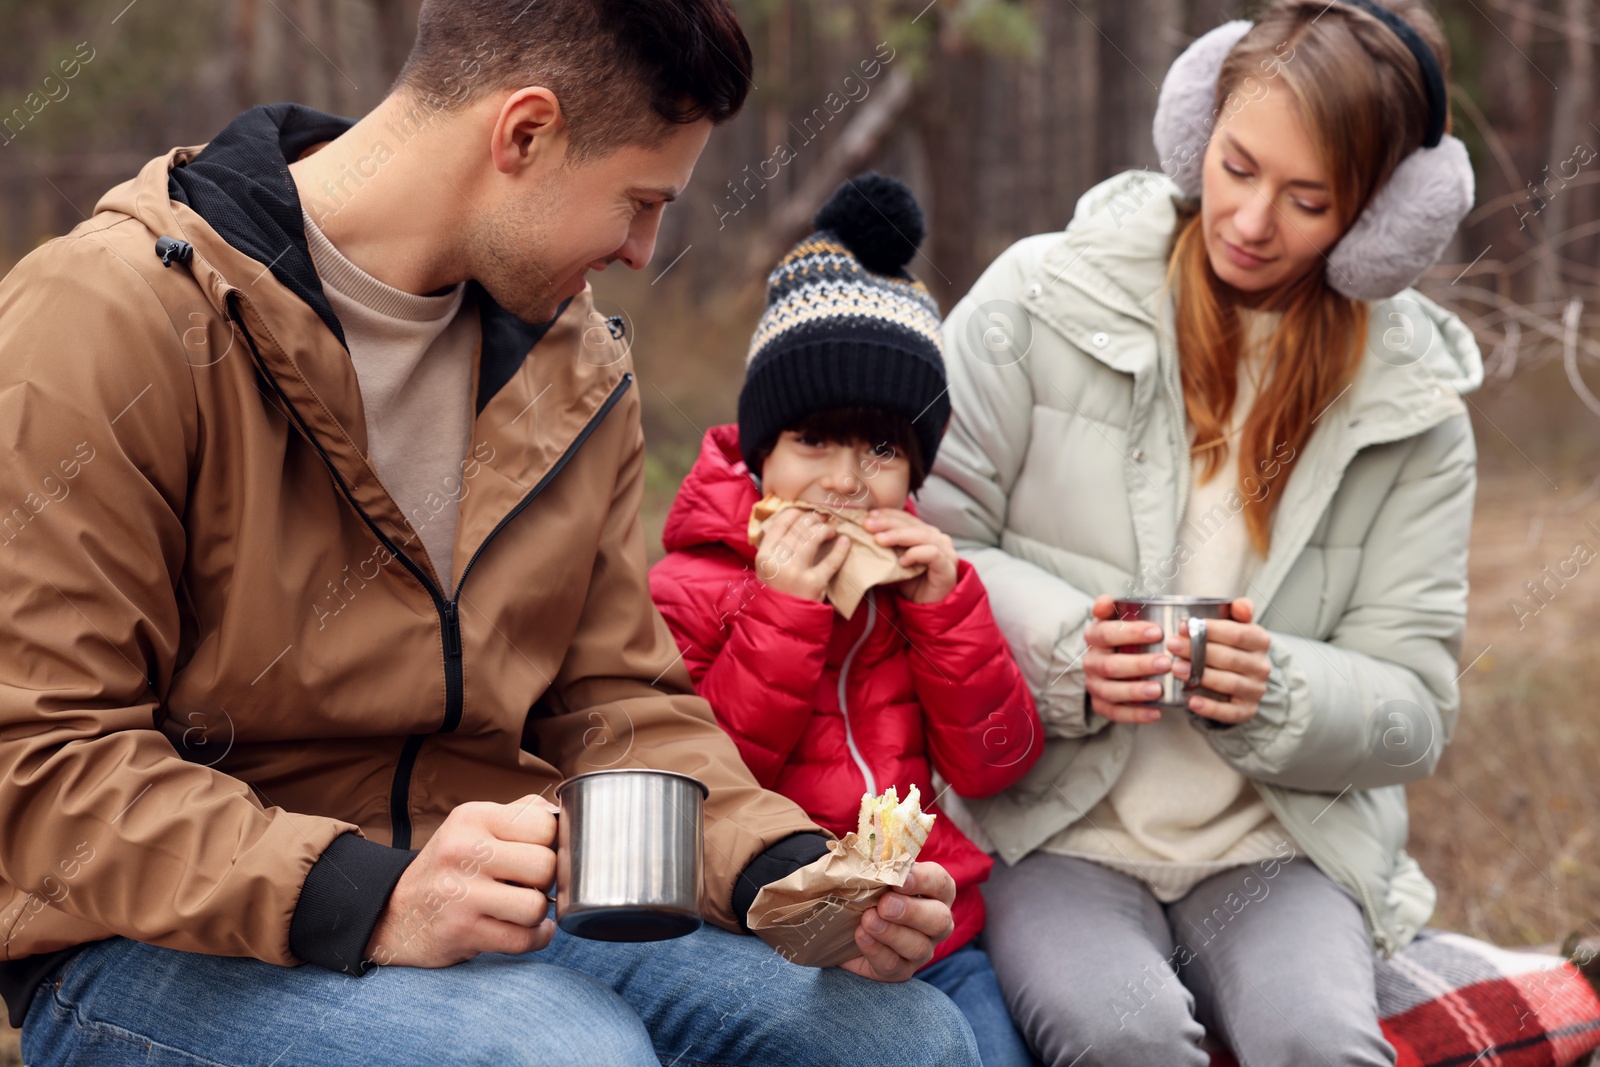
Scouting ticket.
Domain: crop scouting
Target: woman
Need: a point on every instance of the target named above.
(1188, 397)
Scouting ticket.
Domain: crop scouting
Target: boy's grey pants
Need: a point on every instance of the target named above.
(1273, 958)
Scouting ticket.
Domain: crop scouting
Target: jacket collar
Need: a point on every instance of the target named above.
(1420, 358)
(239, 183)
(1420, 361)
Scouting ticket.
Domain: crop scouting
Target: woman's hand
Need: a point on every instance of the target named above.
(1119, 682)
(788, 557)
(923, 544)
(1236, 664)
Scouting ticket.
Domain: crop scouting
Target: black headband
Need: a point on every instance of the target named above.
(1432, 76)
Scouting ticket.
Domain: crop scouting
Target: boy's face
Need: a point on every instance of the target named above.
(836, 475)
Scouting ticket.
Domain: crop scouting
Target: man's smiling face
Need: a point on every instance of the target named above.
(553, 217)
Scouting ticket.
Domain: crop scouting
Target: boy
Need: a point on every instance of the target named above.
(843, 406)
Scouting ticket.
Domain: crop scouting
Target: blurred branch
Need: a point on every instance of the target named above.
(791, 219)
(1554, 328)
(1569, 355)
(1528, 13)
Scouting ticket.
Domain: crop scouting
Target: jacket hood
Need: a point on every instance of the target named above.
(713, 504)
(1420, 357)
(239, 184)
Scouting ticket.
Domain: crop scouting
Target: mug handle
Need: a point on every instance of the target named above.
(1197, 653)
(555, 886)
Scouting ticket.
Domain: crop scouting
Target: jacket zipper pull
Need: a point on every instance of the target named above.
(452, 630)
(170, 248)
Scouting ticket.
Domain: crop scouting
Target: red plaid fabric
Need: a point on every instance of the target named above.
(1452, 1001)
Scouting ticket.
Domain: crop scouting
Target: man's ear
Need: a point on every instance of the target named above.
(529, 128)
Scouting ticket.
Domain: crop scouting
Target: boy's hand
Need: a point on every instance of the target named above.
(927, 546)
(787, 559)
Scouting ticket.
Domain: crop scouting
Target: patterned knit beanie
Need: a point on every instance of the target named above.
(846, 326)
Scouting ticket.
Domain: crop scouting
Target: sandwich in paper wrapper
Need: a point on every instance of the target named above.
(811, 916)
(868, 563)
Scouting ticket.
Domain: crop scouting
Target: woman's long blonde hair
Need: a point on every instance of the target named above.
(1360, 93)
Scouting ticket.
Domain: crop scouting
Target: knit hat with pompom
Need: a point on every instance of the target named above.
(846, 325)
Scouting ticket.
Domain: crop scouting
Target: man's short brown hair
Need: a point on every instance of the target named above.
(625, 71)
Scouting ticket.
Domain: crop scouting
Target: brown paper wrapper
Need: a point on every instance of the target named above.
(868, 563)
(811, 916)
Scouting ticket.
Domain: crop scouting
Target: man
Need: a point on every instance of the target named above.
(322, 566)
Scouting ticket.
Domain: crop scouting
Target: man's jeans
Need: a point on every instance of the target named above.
(709, 998)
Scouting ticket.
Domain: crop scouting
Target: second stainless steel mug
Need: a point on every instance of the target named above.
(629, 855)
(1177, 614)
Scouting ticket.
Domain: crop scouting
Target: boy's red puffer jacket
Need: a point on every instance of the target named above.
(824, 709)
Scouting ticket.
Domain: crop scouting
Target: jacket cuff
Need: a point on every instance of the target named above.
(939, 616)
(778, 861)
(344, 894)
(1259, 735)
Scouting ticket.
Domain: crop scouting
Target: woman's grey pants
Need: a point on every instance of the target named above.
(1273, 958)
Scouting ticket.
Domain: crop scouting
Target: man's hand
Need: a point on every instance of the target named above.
(478, 885)
(923, 544)
(899, 933)
(788, 559)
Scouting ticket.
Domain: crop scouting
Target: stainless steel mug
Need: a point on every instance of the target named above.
(630, 855)
(1177, 614)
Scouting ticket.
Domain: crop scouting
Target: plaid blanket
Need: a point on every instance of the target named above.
(1452, 1001)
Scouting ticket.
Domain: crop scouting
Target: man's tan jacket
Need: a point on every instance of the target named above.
(224, 656)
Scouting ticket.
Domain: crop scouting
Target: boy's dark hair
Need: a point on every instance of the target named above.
(877, 427)
(625, 71)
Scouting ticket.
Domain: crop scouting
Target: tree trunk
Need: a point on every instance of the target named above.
(297, 50)
(244, 53)
(1135, 53)
(1207, 15)
(1569, 130)
(395, 33)
(338, 98)
(949, 118)
(1514, 102)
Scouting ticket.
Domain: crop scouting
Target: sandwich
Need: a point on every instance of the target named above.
(868, 564)
(889, 828)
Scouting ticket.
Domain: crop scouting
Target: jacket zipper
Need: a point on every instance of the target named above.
(1172, 383)
(1333, 866)
(844, 707)
(448, 608)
